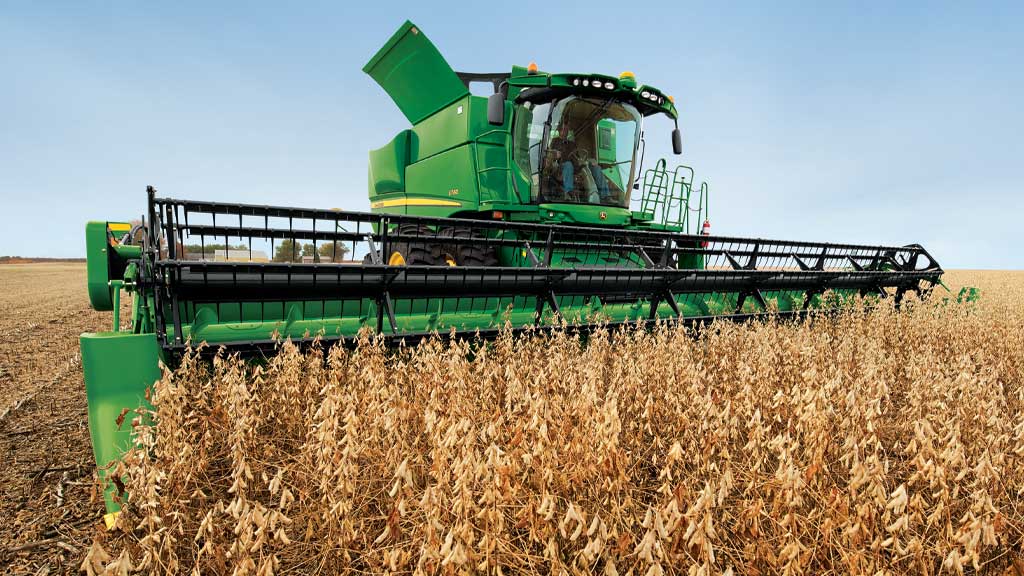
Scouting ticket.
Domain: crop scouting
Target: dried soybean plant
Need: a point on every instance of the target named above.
(872, 442)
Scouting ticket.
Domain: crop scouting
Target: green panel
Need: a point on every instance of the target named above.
(606, 151)
(118, 368)
(492, 164)
(479, 127)
(299, 319)
(447, 176)
(97, 265)
(334, 308)
(249, 311)
(348, 308)
(273, 311)
(461, 122)
(442, 131)
(492, 153)
(233, 311)
(106, 261)
(387, 165)
(313, 309)
(412, 71)
(584, 214)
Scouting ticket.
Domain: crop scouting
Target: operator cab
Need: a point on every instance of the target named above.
(559, 147)
(576, 139)
(578, 149)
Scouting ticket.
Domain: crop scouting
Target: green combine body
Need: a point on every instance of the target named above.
(515, 211)
(457, 162)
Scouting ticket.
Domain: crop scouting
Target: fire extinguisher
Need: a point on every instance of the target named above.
(705, 230)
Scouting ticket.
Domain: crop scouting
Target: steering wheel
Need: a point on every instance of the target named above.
(580, 155)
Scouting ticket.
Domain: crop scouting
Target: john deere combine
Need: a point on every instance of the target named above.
(528, 209)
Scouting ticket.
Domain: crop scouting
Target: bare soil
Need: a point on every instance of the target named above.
(49, 508)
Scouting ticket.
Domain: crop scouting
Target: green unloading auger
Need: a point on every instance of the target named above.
(514, 211)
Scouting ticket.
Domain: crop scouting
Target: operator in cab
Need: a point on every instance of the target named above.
(573, 175)
(578, 150)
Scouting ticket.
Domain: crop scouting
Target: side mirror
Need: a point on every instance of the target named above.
(496, 109)
(677, 142)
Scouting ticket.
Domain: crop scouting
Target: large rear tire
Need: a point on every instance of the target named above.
(415, 253)
(471, 253)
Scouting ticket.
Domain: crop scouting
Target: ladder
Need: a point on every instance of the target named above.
(666, 196)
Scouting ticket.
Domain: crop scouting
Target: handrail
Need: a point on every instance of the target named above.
(667, 196)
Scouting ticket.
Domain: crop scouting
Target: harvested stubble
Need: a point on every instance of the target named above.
(870, 442)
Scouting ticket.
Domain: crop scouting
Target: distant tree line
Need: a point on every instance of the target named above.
(286, 250)
(290, 251)
(208, 250)
(31, 259)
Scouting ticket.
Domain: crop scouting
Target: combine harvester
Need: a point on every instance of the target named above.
(514, 209)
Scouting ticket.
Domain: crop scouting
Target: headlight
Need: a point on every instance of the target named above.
(609, 85)
(586, 82)
(575, 81)
(645, 94)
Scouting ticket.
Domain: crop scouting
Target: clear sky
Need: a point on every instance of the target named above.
(884, 122)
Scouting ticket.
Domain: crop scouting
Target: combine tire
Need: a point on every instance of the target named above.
(403, 253)
(469, 254)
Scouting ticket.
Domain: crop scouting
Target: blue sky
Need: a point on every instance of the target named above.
(886, 123)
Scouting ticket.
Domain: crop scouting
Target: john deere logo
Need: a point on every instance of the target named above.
(603, 215)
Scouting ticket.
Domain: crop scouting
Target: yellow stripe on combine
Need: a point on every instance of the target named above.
(414, 202)
(119, 226)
